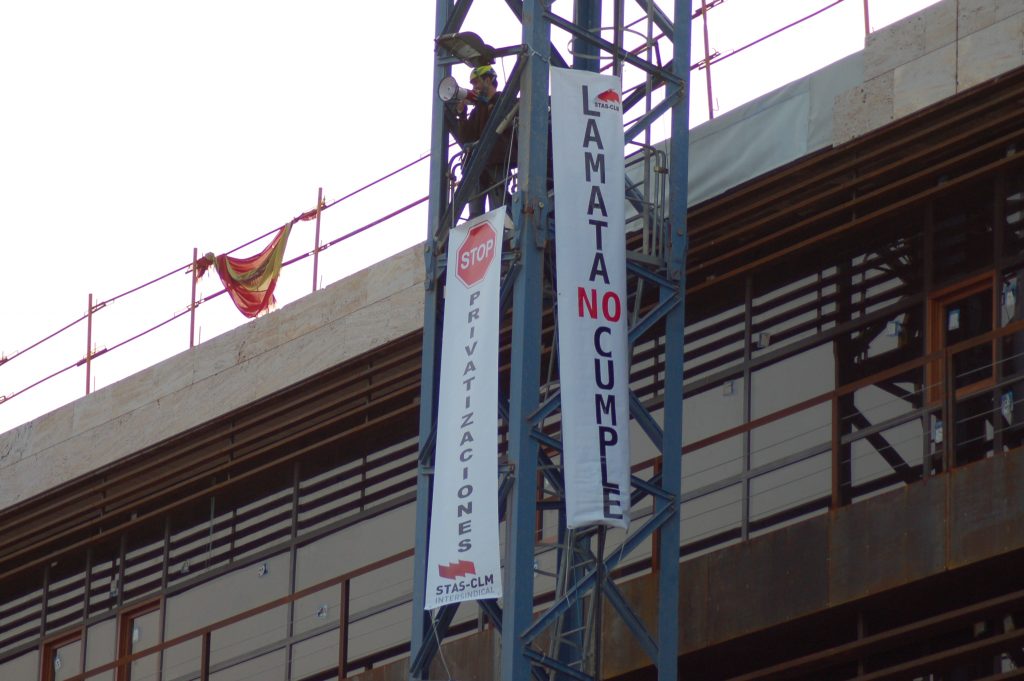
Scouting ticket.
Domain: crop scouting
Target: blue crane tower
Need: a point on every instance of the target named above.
(651, 52)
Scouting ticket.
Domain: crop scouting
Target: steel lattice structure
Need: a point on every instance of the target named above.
(532, 398)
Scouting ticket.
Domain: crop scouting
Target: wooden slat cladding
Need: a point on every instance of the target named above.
(974, 133)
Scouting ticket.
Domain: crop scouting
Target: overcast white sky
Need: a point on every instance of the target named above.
(131, 132)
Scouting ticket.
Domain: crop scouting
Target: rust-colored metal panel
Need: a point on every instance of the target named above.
(395, 671)
(472, 658)
(887, 541)
(693, 603)
(986, 509)
(768, 580)
(626, 655)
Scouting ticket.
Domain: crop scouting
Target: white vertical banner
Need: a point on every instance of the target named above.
(590, 255)
(463, 561)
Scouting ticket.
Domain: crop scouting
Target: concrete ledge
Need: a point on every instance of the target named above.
(944, 49)
(312, 334)
(909, 39)
(975, 15)
(993, 50)
(863, 108)
(924, 81)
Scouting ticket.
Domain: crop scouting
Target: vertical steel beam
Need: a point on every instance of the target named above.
(88, 346)
(192, 306)
(316, 238)
(707, 58)
(748, 398)
(430, 361)
(999, 357)
(842, 405)
(668, 545)
(586, 15)
(344, 605)
(530, 217)
(204, 658)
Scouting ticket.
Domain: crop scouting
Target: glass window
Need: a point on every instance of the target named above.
(710, 515)
(785, 489)
(958, 315)
(227, 595)
(793, 380)
(872, 457)
(24, 667)
(62, 658)
(269, 667)
(355, 546)
(314, 655)
(1011, 366)
(182, 660)
(101, 644)
(140, 629)
(967, 318)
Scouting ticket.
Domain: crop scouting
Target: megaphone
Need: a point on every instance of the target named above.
(449, 91)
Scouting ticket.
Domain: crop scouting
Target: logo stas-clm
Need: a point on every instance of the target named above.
(455, 572)
(459, 568)
(609, 99)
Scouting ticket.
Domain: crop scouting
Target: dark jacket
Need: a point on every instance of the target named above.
(471, 126)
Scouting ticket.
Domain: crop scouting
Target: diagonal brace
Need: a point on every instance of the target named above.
(625, 55)
(660, 18)
(492, 610)
(426, 456)
(556, 57)
(439, 625)
(650, 487)
(560, 667)
(664, 306)
(886, 450)
(654, 114)
(646, 422)
(636, 627)
(457, 17)
(653, 277)
(547, 409)
(590, 579)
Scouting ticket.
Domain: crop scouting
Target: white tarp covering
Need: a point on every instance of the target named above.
(590, 255)
(463, 559)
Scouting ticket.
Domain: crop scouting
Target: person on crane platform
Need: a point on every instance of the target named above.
(494, 177)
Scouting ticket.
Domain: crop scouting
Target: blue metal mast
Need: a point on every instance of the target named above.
(526, 289)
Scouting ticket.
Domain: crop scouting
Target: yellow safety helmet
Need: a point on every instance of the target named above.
(480, 71)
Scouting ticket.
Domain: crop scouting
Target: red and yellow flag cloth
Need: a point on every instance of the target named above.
(250, 281)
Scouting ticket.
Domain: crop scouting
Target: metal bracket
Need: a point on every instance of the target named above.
(536, 213)
(430, 267)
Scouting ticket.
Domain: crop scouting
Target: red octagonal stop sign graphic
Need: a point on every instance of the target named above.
(476, 253)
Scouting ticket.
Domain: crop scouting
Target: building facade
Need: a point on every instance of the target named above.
(854, 385)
